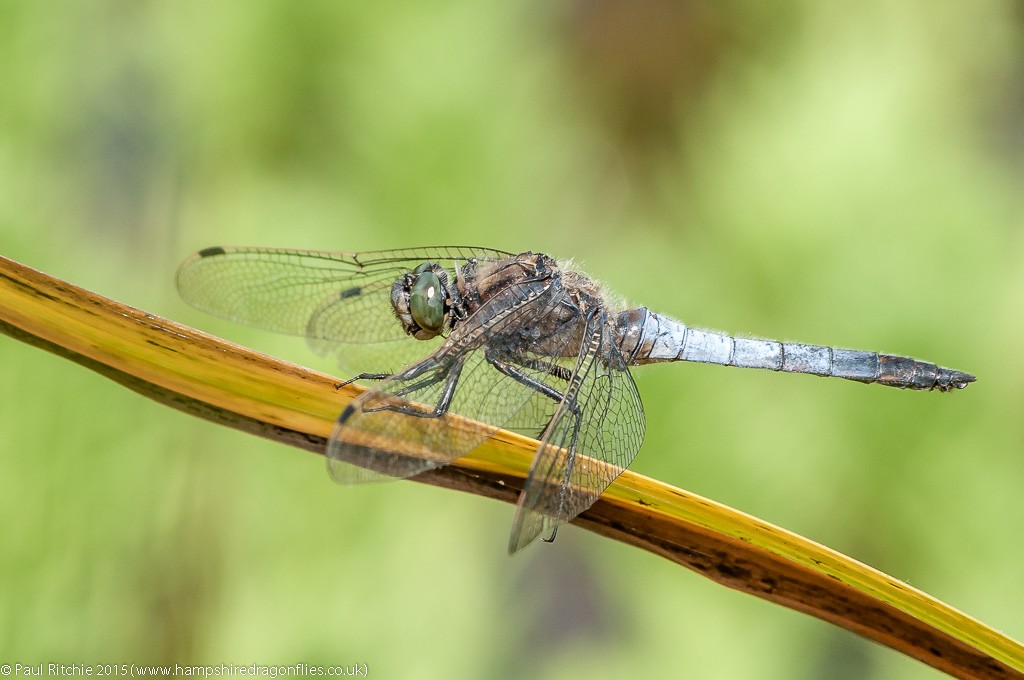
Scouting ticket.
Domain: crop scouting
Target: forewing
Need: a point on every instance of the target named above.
(328, 297)
(410, 423)
(594, 435)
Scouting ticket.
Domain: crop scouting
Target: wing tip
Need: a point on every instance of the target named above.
(526, 527)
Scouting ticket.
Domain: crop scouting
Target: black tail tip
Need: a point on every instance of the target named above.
(956, 380)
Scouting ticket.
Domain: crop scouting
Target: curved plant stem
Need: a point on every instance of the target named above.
(231, 385)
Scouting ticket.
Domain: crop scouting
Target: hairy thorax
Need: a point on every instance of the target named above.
(571, 296)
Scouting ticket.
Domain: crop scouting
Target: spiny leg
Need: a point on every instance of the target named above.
(451, 381)
(548, 367)
(450, 377)
(411, 372)
(522, 378)
(577, 421)
(362, 376)
(512, 371)
(576, 413)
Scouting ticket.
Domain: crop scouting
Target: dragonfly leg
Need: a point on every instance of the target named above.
(407, 374)
(577, 421)
(363, 376)
(550, 368)
(551, 393)
(512, 371)
(451, 380)
(595, 326)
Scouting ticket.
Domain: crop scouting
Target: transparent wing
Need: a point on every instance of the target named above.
(408, 424)
(328, 297)
(594, 435)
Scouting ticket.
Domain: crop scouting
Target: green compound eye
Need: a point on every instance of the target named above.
(426, 303)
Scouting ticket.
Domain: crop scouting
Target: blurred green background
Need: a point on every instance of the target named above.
(821, 172)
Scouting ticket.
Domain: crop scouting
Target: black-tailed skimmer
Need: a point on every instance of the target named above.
(517, 341)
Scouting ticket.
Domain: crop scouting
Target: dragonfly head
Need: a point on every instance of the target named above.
(422, 300)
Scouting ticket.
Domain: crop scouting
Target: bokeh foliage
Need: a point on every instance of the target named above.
(822, 173)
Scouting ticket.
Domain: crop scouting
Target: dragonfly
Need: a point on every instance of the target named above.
(466, 340)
